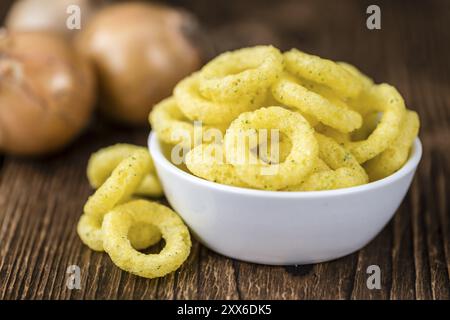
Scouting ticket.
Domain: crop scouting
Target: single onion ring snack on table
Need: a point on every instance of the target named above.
(242, 74)
(118, 188)
(297, 164)
(116, 227)
(102, 163)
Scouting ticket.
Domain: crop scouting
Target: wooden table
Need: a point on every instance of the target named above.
(41, 200)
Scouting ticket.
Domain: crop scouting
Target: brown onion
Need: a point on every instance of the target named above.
(140, 52)
(46, 93)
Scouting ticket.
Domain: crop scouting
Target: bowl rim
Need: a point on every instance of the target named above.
(159, 158)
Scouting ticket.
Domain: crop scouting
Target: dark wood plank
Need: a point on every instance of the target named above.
(41, 200)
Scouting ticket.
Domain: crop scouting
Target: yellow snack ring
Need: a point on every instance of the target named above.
(319, 166)
(335, 155)
(144, 235)
(295, 95)
(271, 101)
(370, 122)
(395, 156)
(386, 99)
(118, 188)
(323, 71)
(333, 179)
(205, 162)
(116, 227)
(196, 107)
(123, 181)
(326, 93)
(104, 161)
(90, 232)
(344, 172)
(242, 74)
(150, 186)
(299, 161)
(172, 126)
(338, 136)
(283, 148)
(359, 103)
(361, 77)
(323, 90)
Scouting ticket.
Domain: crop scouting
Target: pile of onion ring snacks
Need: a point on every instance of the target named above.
(116, 221)
(327, 124)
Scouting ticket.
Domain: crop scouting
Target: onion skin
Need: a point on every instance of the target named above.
(47, 15)
(46, 93)
(140, 52)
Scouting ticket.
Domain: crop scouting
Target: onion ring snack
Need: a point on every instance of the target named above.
(242, 74)
(386, 99)
(118, 188)
(395, 156)
(344, 172)
(102, 163)
(323, 71)
(174, 128)
(116, 227)
(295, 95)
(170, 123)
(207, 161)
(196, 107)
(298, 163)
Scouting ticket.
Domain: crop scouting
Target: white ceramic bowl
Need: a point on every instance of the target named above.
(283, 228)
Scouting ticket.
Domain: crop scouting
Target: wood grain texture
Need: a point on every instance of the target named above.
(41, 200)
